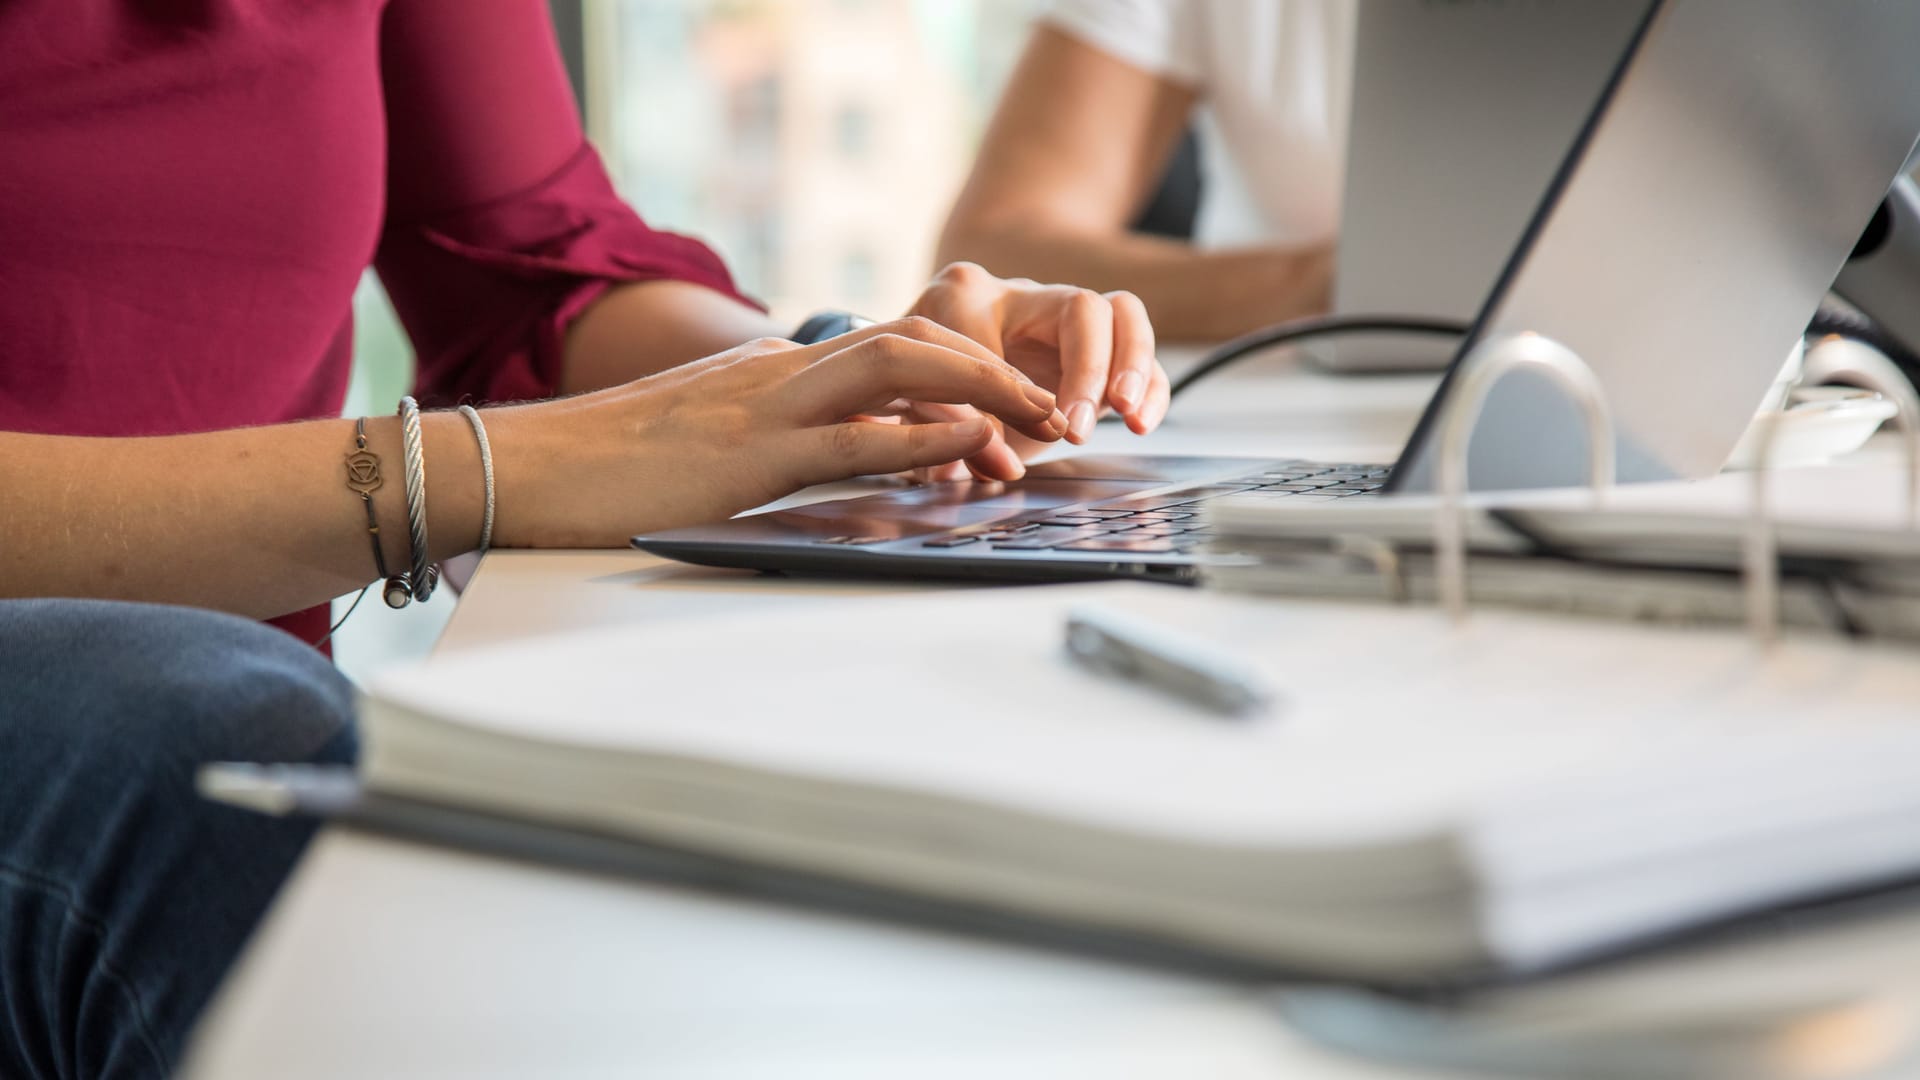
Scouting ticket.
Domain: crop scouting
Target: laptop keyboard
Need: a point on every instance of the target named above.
(1168, 522)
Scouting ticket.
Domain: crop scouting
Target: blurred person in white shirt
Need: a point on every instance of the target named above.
(1094, 113)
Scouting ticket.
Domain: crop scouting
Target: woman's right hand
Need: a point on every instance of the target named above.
(706, 440)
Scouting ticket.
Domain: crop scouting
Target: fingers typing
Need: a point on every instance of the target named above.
(839, 451)
(873, 372)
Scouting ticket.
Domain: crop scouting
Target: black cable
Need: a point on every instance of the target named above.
(355, 606)
(1298, 330)
(1830, 320)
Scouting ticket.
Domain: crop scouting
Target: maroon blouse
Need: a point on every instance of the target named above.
(191, 189)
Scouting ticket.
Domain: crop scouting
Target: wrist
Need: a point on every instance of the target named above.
(455, 486)
(822, 325)
(390, 498)
(525, 470)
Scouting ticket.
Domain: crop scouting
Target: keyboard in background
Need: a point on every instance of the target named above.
(1166, 522)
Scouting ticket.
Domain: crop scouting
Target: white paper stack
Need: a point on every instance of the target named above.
(1664, 553)
(1428, 802)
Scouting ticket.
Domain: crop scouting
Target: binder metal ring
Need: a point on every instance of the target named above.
(1479, 370)
(1829, 358)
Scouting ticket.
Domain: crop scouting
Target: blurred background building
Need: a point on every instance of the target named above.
(816, 143)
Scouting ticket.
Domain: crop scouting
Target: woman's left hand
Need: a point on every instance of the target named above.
(1095, 350)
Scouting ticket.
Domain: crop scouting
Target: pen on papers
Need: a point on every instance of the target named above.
(1130, 647)
(282, 790)
(337, 794)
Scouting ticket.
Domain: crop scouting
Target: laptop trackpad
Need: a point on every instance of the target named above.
(936, 508)
(919, 511)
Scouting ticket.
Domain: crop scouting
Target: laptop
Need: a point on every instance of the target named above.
(1461, 114)
(1731, 161)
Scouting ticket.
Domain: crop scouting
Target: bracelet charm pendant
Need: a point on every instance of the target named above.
(363, 479)
(363, 470)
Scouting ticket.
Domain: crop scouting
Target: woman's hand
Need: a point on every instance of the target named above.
(1096, 350)
(709, 439)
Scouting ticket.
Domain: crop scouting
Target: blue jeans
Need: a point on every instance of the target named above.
(124, 897)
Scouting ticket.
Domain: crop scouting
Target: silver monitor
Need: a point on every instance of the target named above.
(1461, 112)
(1741, 149)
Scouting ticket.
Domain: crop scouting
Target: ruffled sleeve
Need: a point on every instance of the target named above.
(487, 293)
(501, 224)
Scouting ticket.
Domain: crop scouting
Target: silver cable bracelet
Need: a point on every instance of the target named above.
(486, 471)
(423, 575)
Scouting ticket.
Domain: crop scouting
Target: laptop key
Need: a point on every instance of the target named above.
(1050, 532)
(950, 541)
(1211, 491)
(1147, 545)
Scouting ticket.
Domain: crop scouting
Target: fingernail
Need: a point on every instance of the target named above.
(1041, 397)
(1079, 420)
(1126, 390)
(1016, 470)
(971, 429)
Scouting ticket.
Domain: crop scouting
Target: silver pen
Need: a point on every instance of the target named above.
(1130, 647)
(282, 790)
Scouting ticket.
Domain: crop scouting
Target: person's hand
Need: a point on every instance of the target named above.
(1096, 350)
(708, 439)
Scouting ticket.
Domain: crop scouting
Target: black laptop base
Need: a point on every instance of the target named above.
(1091, 518)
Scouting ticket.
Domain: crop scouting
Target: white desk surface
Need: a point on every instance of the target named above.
(385, 959)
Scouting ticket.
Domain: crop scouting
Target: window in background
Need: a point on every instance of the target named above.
(853, 130)
(858, 274)
(817, 144)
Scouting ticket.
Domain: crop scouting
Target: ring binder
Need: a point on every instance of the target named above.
(1834, 357)
(1654, 560)
(1479, 370)
(1830, 358)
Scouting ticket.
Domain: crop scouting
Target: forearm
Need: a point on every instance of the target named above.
(1191, 294)
(260, 521)
(637, 329)
(256, 521)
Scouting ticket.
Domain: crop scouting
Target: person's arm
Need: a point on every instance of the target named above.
(520, 273)
(1074, 148)
(506, 232)
(261, 522)
(638, 328)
